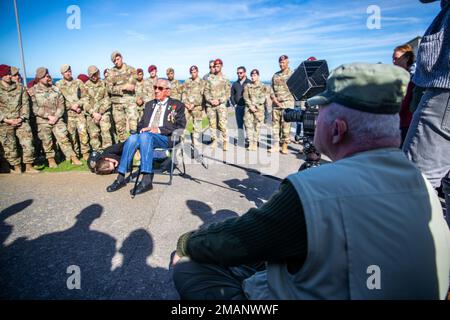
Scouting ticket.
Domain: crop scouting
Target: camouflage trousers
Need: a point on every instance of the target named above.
(76, 125)
(218, 114)
(8, 139)
(59, 130)
(196, 114)
(278, 123)
(123, 113)
(103, 130)
(253, 121)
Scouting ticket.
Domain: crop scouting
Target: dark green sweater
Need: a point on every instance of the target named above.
(276, 232)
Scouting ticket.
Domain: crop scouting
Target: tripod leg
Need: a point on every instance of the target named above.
(136, 183)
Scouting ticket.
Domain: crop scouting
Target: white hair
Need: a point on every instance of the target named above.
(365, 127)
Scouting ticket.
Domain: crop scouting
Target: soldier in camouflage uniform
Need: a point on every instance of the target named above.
(76, 120)
(98, 110)
(121, 83)
(14, 122)
(15, 75)
(144, 92)
(282, 99)
(254, 95)
(176, 88)
(153, 75)
(48, 106)
(192, 97)
(217, 93)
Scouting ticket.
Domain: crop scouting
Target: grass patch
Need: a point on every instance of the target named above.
(63, 167)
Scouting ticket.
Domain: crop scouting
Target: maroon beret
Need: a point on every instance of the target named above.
(83, 77)
(218, 61)
(138, 70)
(193, 68)
(283, 57)
(311, 59)
(31, 83)
(4, 70)
(151, 68)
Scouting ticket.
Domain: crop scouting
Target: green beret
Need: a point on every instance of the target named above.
(373, 88)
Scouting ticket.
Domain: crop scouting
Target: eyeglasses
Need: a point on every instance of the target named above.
(159, 88)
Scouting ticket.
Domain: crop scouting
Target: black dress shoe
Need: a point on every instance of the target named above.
(116, 185)
(143, 187)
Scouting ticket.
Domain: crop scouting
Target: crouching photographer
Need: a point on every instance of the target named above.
(106, 162)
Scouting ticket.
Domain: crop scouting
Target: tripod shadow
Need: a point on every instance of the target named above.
(254, 188)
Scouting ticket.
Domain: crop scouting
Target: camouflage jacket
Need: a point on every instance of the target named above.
(14, 101)
(47, 101)
(217, 87)
(115, 81)
(152, 81)
(255, 94)
(176, 88)
(280, 89)
(193, 91)
(72, 93)
(144, 89)
(96, 98)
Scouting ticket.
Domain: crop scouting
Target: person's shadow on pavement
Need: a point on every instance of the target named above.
(46, 267)
(136, 279)
(206, 214)
(6, 229)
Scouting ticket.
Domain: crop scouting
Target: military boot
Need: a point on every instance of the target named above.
(16, 169)
(75, 161)
(284, 148)
(30, 169)
(225, 145)
(275, 148)
(253, 146)
(52, 163)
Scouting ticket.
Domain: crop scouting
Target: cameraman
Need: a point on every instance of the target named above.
(106, 162)
(317, 237)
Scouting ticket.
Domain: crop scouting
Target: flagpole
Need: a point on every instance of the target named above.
(20, 44)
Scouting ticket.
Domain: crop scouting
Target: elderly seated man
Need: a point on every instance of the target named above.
(162, 117)
(366, 226)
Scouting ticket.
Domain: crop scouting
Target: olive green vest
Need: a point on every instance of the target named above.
(375, 230)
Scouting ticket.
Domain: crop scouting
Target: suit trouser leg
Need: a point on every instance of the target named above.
(129, 149)
(147, 142)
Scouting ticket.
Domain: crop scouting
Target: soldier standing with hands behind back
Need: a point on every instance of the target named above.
(121, 82)
(48, 106)
(217, 92)
(282, 99)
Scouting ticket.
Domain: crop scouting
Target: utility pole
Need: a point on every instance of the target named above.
(20, 44)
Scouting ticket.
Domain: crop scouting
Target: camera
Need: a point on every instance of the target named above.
(308, 80)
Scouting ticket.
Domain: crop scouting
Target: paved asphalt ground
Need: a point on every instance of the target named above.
(122, 246)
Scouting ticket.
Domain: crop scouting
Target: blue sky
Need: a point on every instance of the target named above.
(179, 34)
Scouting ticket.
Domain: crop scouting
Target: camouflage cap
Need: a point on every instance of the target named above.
(14, 71)
(114, 55)
(92, 70)
(41, 72)
(169, 70)
(64, 68)
(373, 88)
